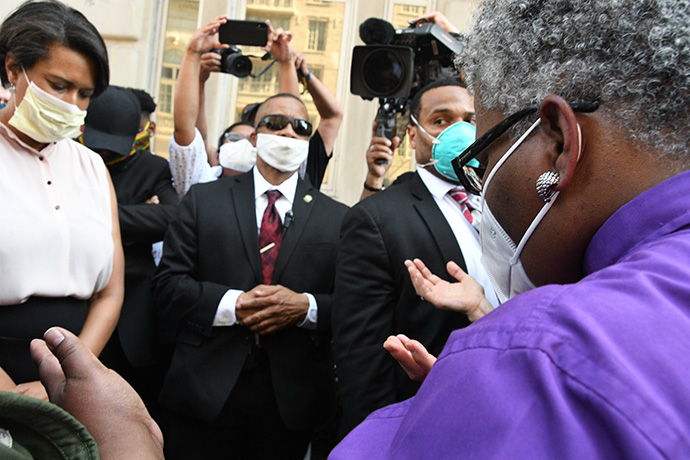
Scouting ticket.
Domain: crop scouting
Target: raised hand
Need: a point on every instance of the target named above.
(438, 19)
(205, 38)
(278, 43)
(411, 355)
(210, 62)
(466, 296)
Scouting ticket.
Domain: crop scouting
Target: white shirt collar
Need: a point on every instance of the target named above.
(436, 186)
(439, 188)
(287, 188)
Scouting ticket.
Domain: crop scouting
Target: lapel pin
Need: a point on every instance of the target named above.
(308, 198)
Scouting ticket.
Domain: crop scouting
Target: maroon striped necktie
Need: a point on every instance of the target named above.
(460, 196)
(270, 236)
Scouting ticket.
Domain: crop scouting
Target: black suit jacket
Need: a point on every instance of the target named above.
(136, 180)
(375, 298)
(213, 246)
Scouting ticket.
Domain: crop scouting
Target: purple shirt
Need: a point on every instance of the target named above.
(595, 369)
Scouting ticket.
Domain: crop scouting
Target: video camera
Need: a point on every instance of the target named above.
(395, 64)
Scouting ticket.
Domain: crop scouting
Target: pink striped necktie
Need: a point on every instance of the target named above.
(460, 196)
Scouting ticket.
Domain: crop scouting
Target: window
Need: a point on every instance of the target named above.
(180, 24)
(317, 35)
(168, 79)
(278, 3)
(165, 97)
(317, 71)
(265, 85)
(403, 13)
(411, 9)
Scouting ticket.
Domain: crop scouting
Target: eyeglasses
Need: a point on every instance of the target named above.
(234, 137)
(278, 122)
(471, 176)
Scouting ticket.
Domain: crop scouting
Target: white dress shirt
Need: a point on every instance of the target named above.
(466, 234)
(225, 314)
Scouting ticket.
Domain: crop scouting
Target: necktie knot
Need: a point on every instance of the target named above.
(460, 196)
(272, 195)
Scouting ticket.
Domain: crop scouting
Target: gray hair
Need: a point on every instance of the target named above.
(633, 56)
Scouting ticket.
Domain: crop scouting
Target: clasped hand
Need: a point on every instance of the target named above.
(268, 309)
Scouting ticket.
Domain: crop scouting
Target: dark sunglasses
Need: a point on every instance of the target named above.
(471, 177)
(278, 122)
(234, 137)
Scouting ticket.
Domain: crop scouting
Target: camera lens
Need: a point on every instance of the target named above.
(238, 65)
(383, 72)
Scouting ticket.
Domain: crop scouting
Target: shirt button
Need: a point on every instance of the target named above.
(223, 320)
(57, 208)
(50, 182)
(40, 158)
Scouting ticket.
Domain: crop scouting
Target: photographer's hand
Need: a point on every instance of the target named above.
(438, 19)
(187, 89)
(210, 62)
(278, 43)
(204, 39)
(380, 148)
(300, 62)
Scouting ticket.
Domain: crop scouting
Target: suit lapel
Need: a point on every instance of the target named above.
(301, 209)
(436, 223)
(245, 209)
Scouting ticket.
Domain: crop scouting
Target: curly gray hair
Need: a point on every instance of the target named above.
(633, 56)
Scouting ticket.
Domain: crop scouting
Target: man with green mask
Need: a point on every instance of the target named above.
(147, 202)
(428, 217)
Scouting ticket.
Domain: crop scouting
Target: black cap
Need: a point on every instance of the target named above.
(112, 121)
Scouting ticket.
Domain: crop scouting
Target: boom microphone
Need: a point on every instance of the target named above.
(376, 31)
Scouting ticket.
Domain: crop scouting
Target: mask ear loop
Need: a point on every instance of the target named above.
(505, 157)
(434, 140)
(13, 89)
(537, 220)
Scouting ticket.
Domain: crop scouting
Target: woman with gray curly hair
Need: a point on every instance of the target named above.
(583, 117)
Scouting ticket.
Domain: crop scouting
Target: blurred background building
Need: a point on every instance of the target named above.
(146, 40)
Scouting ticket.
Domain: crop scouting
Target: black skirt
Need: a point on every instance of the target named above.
(19, 324)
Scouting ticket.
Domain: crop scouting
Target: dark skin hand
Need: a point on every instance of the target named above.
(268, 309)
(98, 397)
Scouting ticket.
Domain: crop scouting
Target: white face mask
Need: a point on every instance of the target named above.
(500, 255)
(282, 153)
(45, 118)
(239, 155)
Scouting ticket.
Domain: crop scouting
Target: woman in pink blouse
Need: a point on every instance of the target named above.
(61, 257)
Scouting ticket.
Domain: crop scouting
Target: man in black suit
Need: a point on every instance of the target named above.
(248, 271)
(146, 204)
(374, 296)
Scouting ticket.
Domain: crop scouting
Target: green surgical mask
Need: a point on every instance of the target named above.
(45, 118)
(448, 145)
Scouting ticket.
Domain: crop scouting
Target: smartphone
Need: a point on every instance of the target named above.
(236, 32)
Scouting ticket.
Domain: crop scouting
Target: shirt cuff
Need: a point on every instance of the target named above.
(309, 321)
(225, 314)
(216, 171)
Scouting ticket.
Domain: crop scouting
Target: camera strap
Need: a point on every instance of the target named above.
(265, 57)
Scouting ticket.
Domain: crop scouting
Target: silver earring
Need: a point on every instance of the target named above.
(545, 183)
